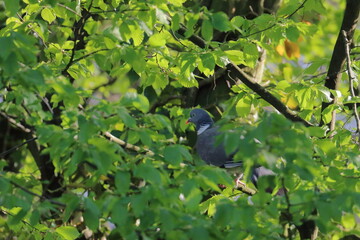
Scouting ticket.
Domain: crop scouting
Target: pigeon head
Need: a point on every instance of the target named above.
(201, 119)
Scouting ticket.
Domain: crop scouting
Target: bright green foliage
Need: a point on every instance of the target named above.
(72, 71)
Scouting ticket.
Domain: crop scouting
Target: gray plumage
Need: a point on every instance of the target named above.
(258, 172)
(211, 153)
(214, 154)
(205, 145)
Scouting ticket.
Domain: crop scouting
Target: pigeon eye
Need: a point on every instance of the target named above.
(193, 115)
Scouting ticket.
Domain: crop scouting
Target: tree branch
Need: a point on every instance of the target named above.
(267, 96)
(245, 189)
(351, 78)
(16, 124)
(257, 88)
(3, 154)
(128, 145)
(273, 25)
(337, 61)
(34, 194)
(22, 220)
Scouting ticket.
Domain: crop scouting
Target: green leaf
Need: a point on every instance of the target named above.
(317, 131)
(238, 21)
(4, 185)
(48, 15)
(175, 23)
(251, 49)
(199, 233)
(35, 217)
(207, 30)
(220, 21)
(157, 40)
(348, 220)
(135, 59)
(119, 214)
(148, 172)
(122, 182)
(12, 6)
(68, 232)
(243, 106)
(292, 33)
(334, 173)
(91, 214)
(72, 202)
(128, 120)
(172, 154)
(177, 3)
(32, 78)
(236, 56)
(138, 101)
(207, 64)
(15, 219)
(7, 44)
(87, 129)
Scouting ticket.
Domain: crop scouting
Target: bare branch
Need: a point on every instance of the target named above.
(250, 82)
(128, 145)
(163, 102)
(267, 96)
(273, 25)
(16, 124)
(22, 220)
(34, 194)
(351, 78)
(88, 55)
(3, 154)
(245, 189)
(69, 9)
(338, 58)
(219, 73)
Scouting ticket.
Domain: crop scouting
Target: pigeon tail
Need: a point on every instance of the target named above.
(231, 164)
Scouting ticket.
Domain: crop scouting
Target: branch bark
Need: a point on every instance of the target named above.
(351, 78)
(257, 88)
(349, 23)
(267, 96)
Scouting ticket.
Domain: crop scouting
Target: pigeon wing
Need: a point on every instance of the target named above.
(210, 152)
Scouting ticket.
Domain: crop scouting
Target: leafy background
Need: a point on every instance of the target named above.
(94, 96)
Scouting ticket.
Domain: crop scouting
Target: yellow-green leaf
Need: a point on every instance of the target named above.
(48, 15)
(68, 232)
(235, 56)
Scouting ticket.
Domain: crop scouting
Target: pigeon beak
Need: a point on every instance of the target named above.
(188, 121)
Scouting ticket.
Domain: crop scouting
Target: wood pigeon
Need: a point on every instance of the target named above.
(214, 154)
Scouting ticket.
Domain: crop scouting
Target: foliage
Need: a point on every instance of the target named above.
(72, 71)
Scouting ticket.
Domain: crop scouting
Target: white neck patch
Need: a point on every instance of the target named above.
(202, 128)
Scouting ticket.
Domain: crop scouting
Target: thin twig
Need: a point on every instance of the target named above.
(3, 154)
(122, 11)
(46, 102)
(273, 25)
(69, 9)
(128, 145)
(288, 205)
(351, 78)
(164, 102)
(217, 74)
(296, 10)
(13, 122)
(89, 54)
(34, 194)
(22, 220)
(245, 189)
(31, 28)
(270, 98)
